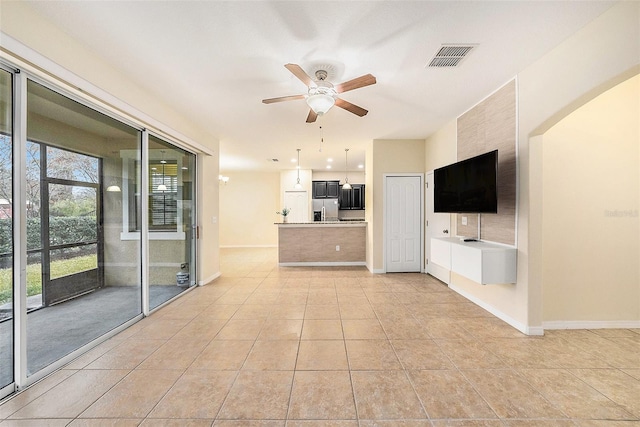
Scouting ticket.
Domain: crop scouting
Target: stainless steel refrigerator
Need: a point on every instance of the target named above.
(328, 209)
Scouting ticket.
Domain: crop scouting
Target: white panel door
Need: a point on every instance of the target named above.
(437, 224)
(403, 207)
(298, 202)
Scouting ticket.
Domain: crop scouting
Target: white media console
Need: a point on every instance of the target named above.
(481, 262)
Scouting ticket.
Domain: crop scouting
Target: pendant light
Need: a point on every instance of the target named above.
(162, 187)
(346, 185)
(113, 188)
(298, 186)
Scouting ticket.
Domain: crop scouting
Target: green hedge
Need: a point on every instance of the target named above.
(34, 275)
(61, 229)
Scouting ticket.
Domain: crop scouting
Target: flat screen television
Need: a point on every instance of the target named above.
(468, 186)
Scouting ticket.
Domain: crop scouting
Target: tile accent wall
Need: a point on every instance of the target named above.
(488, 126)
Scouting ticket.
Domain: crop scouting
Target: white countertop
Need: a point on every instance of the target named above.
(323, 224)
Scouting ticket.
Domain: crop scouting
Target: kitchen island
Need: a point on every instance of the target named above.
(322, 243)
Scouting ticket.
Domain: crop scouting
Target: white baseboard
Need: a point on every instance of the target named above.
(535, 330)
(321, 264)
(527, 330)
(378, 271)
(247, 246)
(440, 273)
(591, 324)
(209, 279)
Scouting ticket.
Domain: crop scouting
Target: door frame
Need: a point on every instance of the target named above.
(431, 268)
(45, 227)
(386, 214)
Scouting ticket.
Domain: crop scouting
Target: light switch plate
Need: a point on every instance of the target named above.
(464, 220)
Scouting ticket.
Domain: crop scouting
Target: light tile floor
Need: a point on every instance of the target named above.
(303, 347)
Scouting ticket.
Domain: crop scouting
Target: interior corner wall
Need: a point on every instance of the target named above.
(388, 156)
(248, 206)
(590, 211)
(440, 150)
(208, 207)
(549, 90)
(369, 199)
(491, 125)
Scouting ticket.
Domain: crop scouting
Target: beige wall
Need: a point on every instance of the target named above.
(548, 90)
(440, 149)
(388, 156)
(248, 206)
(590, 210)
(370, 199)
(264, 193)
(354, 177)
(20, 22)
(208, 206)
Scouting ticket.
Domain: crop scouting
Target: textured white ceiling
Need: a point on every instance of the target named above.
(218, 60)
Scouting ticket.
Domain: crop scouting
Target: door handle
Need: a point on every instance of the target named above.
(445, 231)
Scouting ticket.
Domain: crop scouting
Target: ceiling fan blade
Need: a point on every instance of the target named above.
(297, 71)
(356, 83)
(358, 111)
(282, 98)
(312, 116)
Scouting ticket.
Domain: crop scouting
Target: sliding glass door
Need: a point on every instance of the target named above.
(106, 221)
(6, 231)
(171, 221)
(83, 278)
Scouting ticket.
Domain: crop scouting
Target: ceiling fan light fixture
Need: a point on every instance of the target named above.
(320, 103)
(321, 96)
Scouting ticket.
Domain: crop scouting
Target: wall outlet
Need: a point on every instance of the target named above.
(337, 248)
(464, 220)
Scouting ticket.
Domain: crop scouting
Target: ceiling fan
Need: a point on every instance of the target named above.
(322, 95)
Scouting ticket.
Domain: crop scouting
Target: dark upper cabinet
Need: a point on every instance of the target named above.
(326, 189)
(319, 189)
(333, 189)
(345, 199)
(352, 199)
(357, 201)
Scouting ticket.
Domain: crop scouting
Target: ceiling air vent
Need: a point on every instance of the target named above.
(450, 55)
